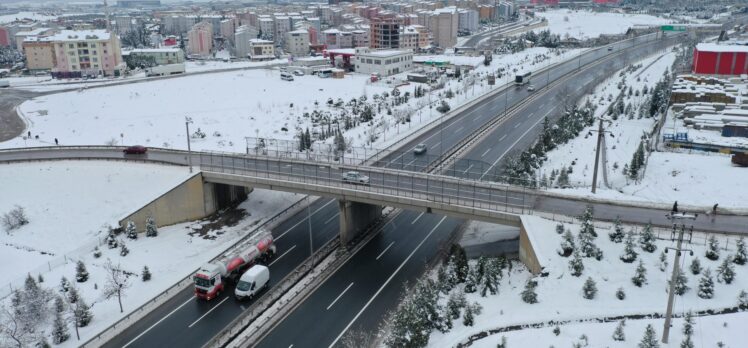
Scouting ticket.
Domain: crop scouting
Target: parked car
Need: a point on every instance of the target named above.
(4, 83)
(419, 149)
(285, 76)
(252, 281)
(530, 88)
(355, 178)
(135, 150)
(298, 73)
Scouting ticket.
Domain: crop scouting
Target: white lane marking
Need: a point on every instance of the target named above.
(502, 137)
(192, 298)
(468, 169)
(339, 296)
(330, 219)
(416, 219)
(487, 151)
(460, 129)
(411, 162)
(208, 312)
(385, 283)
(302, 220)
(532, 113)
(513, 145)
(284, 254)
(517, 125)
(385, 250)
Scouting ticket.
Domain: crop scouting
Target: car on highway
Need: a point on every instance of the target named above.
(419, 149)
(298, 73)
(252, 282)
(610, 48)
(135, 150)
(530, 88)
(354, 177)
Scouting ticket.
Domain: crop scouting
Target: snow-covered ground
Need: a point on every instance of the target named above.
(230, 106)
(560, 294)
(25, 14)
(69, 205)
(585, 24)
(103, 193)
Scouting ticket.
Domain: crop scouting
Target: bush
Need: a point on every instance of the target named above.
(14, 219)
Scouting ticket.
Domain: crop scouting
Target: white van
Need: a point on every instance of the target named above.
(286, 76)
(252, 281)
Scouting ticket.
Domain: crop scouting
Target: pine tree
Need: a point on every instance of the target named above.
(640, 278)
(111, 240)
(59, 304)
(663, 261)
(59, 330)
(618, 335)
(97, 253)
(620, 294)
(467, 317)
(81, 274)
(455, 303)
(567, 244)
(471, 283)
(39, 278)
(529, 295)
(681, 283)
(64, 284)
(151, 230)
(743, 300)
(576, 265)
(687, 331)
(647, 239)
(82, 313)
(726, 271)
(650, 338)
(131, 230)
(587, 227)
(587, 244)
(73, 295)
(589, 290)
(146, 274)
(740, 257)
(695, 266)
(123, 251)
(629, 252)
(706, 285)
(617, 235)
(560, 228)
(461, 262)
(712, 251)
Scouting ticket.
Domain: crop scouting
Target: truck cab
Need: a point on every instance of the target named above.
(208, 281)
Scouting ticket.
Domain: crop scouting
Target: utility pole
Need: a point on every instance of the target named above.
(309, 219)
(187, 121)
(600, 140)
(676, 271)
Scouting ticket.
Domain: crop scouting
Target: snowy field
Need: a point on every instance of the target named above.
(229, 106)
(104, 193)
(69, 205)
(586, 24)
(559, 294)
(24, 14)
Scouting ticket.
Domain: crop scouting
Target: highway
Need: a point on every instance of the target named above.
(185, 322)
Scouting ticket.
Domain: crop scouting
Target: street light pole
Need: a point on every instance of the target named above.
(187, 121)
(311, 241)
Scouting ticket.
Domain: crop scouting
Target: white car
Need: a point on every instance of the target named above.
(419, 149)
(355, 178)
(530, 88)
(298, 73)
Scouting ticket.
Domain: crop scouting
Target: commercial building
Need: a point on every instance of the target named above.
(444, 24)
(85, 53)
(716, 59)
(383, 62)
(385, 32)
(297, 42)
(200, 39)
(163, 56)
(260, 49)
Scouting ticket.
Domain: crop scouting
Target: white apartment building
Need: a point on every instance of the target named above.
(383, 62)
(266, 25)
(260, 49)
(241, 37)
(297, 43)
(467, 21)
(444, 27)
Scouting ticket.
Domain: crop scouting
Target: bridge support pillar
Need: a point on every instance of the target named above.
(355, 218)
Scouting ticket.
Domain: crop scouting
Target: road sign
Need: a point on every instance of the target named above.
(673, 28)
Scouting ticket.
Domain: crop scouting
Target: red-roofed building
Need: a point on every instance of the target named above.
(715, 59)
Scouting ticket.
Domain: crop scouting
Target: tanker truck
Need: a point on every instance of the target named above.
(211, 278)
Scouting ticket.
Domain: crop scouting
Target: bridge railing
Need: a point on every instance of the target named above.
(387, 184)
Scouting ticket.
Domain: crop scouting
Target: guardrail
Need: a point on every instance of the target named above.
(140, 312)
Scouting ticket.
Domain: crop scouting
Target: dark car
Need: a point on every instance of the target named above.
(135, 150)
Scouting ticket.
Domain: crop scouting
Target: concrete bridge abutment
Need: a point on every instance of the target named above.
(355, 218)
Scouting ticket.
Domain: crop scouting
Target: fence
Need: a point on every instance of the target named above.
(140, 312)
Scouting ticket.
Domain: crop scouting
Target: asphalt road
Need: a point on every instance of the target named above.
(192, 322)
(10, 124)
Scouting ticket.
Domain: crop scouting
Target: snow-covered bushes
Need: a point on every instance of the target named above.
(14, 219)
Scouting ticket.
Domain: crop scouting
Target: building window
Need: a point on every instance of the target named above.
(95, 59)
(71, 46)
(93, 45)
(96, 66)
(75, 67)
(104, 51)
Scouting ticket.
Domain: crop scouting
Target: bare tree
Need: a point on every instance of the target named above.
(117, 282)
(358, 339)
(13, 327)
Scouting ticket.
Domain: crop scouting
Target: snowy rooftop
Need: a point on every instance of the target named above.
(36, 31)
(260, 41)
(156, 50)
(385, 53)
(712, 47)
(78, 35)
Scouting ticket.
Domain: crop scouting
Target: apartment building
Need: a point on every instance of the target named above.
(385, 32)
(241, 37)
(297, 42)
(444, 24)
(414, 38)
(467, 21)
(200, 39)
(260, 49)
(40, 54)
(85, 53)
